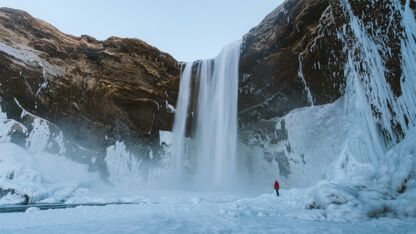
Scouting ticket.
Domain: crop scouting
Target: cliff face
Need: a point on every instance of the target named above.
(307, 53)
(292, 59)
(297, 56)
(97, 92)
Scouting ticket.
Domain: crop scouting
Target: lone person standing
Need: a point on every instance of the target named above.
(276, 187)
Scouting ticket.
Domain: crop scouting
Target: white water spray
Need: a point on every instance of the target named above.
(179, 127)
(212, 151)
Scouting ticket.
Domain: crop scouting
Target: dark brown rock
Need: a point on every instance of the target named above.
(314, 40)
(294, 51)
(297, 40)
(386, 31)
(91, 89)
(119, 87)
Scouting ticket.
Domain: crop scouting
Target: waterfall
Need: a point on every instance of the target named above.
(181, 115)
(210, 157)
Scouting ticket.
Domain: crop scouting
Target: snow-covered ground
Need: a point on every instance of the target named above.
(187, 212)
(344, 176)
(356, 196)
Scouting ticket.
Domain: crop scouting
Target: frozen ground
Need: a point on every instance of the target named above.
(181, 212)
(357, 197)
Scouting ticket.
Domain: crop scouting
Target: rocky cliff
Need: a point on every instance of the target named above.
(297, 56)
(307, 54)
(292, 59)
(96, 92)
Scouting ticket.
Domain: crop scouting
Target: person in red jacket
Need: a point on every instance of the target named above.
(276, 187)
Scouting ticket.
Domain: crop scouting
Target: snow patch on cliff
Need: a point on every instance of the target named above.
(28, 57)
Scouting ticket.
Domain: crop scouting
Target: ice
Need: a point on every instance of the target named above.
(301, 76)
(348, 154)
(32, 209)
(315, 143)
(122, 167)
(38, 139)
(346, 170)
(27, 57)
(170, 108)
(366, 191)
(40, 175)
(178, 212)
(165, 137)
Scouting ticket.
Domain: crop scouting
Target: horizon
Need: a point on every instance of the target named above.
(188, 30)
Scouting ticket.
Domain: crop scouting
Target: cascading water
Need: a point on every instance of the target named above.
(179, 127)
(212, 151)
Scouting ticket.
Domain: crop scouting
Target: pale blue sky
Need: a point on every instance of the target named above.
(187, 29)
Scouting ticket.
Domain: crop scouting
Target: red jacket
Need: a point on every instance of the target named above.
(276, 185)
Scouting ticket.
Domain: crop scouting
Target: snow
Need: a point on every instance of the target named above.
(43, 177)
(165, 137)
(333, 206)
(7, 127)
(123, 168)
(181, 212)
(169, 107)
(38, 138)
(347, 155)
(28, 57)
(343, 175)
(324, 126)
(365, 191)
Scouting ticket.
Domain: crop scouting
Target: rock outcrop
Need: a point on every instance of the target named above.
(313, 52)
(292, 59)
(97, 92)
(296, 56)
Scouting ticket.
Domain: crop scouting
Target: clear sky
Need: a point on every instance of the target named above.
(187, 29)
